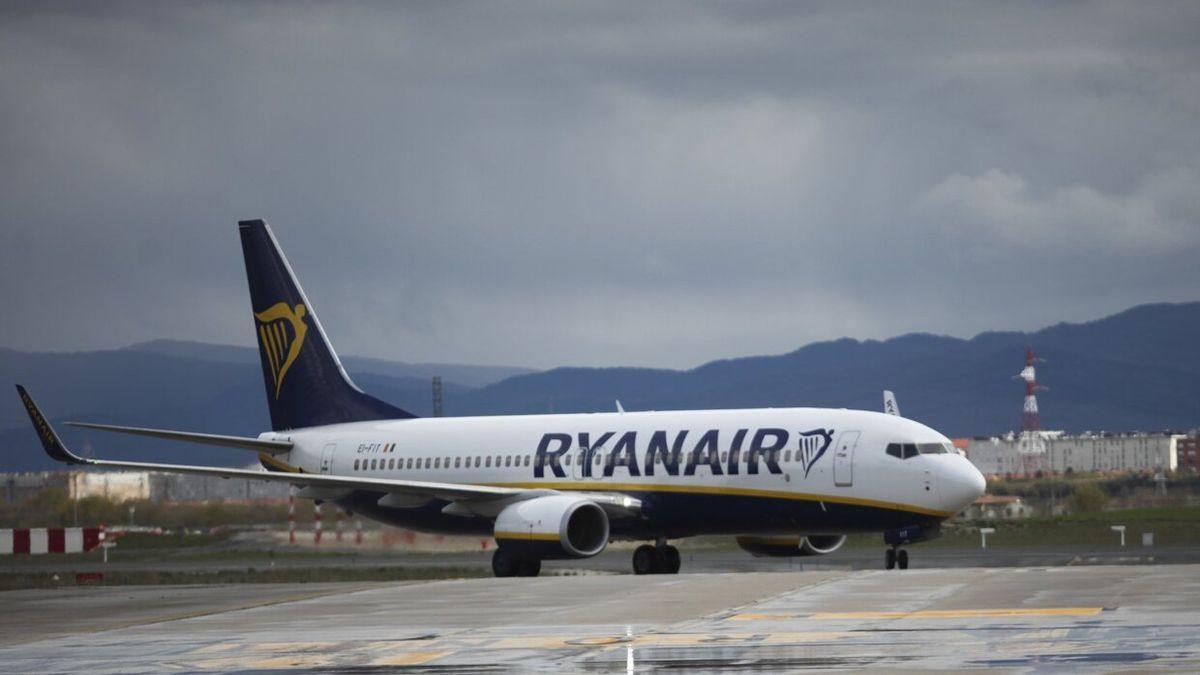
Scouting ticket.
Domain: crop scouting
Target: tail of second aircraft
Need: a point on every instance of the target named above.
(306, 384)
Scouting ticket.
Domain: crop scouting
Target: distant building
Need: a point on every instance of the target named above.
(1083, 453)
(998, 507)
(138, 485)
(118, 486)
(1188, 453)
(19, 487)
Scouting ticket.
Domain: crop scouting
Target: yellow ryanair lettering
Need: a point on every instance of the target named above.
(281, 331)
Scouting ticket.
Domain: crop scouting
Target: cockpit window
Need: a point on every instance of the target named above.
(906, 450)
(934, 448)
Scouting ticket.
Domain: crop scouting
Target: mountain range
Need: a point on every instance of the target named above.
(1136, 370)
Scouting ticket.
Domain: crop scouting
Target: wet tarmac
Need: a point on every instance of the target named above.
(1115, 617)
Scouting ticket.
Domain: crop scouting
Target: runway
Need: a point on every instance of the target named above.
(1107, 617)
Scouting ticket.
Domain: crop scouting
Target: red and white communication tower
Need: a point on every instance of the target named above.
(1032, 444)
(1030, 420)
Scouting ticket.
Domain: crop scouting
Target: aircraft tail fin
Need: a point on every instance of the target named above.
(306, 383)
(889, 403)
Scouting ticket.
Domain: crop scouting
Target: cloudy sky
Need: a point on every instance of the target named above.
(547, 183)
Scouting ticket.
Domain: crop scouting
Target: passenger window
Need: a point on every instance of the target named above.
(391, 464)
(508, 460)
(477, 460)
(373, 464)
(356, 465)
(526, 460)
(488, 463)
(428, 462)
(437, 463)
(457, 462)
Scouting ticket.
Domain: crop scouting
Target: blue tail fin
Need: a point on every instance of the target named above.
(306, 384)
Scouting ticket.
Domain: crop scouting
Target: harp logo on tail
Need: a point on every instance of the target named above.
(813, 444)
(281, 331)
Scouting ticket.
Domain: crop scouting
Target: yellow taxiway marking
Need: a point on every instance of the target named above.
(928, 614)
(408, 659)
(291, 661)
(662, 640)
(216, 648)
(964, 613)
(557, 642)
(292, 647)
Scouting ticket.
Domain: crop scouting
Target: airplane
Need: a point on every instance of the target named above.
(782, 481)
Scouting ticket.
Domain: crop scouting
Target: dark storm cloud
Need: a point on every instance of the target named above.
(548, 183)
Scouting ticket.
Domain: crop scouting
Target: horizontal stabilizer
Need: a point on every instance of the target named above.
(256, 444)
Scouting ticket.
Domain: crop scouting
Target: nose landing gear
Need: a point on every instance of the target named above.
(898, 557)
(659, 559)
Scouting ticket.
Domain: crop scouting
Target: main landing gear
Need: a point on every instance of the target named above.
(896, 557)
(507, 564)
(659, 559)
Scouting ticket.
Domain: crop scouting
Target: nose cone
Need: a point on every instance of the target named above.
(962, 484)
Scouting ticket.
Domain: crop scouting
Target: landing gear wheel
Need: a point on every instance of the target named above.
(504, 564)
(645, 560)
(529, 567)
(889, 559)
(902, 559)
(671, 560)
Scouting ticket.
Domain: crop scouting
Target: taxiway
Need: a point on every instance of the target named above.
(1109, 617)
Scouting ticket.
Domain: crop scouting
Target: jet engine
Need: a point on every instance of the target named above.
(793, 546)
(553, 527)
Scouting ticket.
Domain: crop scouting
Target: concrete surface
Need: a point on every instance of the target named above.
(1063, 618)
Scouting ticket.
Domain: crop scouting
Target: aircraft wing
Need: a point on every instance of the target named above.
(317, 482)
(269, 447)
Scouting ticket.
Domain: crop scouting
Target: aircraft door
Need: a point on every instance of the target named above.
(577, 458)
(327, 458)
(587, 466)
(843, 459)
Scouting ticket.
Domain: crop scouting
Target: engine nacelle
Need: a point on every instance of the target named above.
(553, 527)
(823, 544)
(791, 546)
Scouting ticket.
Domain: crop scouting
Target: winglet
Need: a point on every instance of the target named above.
(49, 438)
(620, 408)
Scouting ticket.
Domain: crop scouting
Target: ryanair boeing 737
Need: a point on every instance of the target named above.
(785, 482)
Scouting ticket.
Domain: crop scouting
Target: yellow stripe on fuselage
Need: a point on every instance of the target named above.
(602, 486)
(526, 536)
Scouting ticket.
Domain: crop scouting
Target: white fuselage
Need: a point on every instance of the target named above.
(823, 459)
